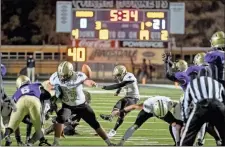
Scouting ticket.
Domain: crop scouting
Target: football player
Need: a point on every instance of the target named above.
(193, 72)
(216, 57)
(127, 81)
(158, 106)
(73, 121)
(28, 99)
(69, 89)
(179, 75)
(7, 106)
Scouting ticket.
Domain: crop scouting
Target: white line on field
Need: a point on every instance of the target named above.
(115, 138)
(87, 128)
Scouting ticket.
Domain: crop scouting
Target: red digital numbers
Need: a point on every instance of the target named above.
(124, 15)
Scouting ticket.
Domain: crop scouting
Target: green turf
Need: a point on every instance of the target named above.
(153, 132)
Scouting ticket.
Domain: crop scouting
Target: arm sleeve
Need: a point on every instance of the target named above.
(45, 95)
(169, 74)
(118, 90)
(116, 86)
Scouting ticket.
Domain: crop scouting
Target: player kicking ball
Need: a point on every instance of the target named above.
(127, 81)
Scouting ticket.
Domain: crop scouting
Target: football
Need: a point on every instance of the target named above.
(87, 70)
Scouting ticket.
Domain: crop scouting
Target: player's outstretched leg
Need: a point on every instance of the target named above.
(119, 122)
(88, 115)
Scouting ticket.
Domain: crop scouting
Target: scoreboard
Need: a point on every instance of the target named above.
(120, 24)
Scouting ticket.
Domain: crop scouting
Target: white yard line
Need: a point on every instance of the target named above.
(114, 138)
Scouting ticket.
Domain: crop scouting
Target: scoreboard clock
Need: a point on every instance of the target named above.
(121, 24)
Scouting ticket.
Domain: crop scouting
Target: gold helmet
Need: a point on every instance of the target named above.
(160, 108)
(65, 71)
(199, 58)
(218, 40)
(119, 72)
(181, 65)
(22, 80)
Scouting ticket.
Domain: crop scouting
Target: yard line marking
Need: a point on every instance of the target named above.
(114, 138)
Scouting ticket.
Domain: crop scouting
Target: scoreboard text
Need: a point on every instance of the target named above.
(120, 24)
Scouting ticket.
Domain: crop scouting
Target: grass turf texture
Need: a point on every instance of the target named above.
(152, 132)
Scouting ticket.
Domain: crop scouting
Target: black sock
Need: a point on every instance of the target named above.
(18, 138)
(8, 131)
(28, 133)
(42, 139)
(118, 123)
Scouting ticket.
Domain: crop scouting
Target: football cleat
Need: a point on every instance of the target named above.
(8, 143)
(111, 133)
(219, 143)
(106, 117)
(112, 144)
(20, 143)
(44, 143)
(199, 142)
(55, 144)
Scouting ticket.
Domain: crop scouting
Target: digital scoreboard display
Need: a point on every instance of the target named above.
(121, 24)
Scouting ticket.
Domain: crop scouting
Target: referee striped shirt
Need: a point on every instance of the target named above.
(199, 89)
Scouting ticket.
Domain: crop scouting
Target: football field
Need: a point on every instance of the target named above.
(152, 132)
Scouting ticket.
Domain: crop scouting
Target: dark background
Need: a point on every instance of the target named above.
(32, 22)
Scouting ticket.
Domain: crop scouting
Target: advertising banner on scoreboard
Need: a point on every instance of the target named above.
(110, 4)
(96, 43)
(143, 44)
(124, 55)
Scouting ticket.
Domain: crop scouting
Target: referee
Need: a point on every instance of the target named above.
(206, 96)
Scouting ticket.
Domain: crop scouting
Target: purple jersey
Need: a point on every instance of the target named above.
(182, 78)
(217, 58)
(193, 69)
(3, 70)
(29, 89)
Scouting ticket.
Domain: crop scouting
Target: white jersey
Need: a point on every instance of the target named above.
(131, 90)
(148, 104)
(72, 90)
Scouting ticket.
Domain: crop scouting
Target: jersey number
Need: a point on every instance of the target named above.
(25, 90)
(70, 95)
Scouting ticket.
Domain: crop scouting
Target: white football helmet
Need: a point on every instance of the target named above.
(22, 80)
(119, 72)
(65, 71)
(160, 108)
